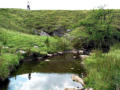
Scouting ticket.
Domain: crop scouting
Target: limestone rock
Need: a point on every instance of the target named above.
(74, 51)
(78, 79)
(60, 52)
(83, 56)
(47, 60)
(80, 51)
(49, 55)
(55, 54)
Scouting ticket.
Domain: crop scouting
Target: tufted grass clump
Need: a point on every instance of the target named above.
(104, 69)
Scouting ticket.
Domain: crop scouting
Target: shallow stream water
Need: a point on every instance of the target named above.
(51, 74)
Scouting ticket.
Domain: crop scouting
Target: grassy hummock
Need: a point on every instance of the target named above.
(104, 69)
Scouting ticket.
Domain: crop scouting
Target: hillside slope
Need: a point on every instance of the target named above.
(47, 20)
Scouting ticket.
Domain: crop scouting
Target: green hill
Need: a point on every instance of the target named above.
(48, 20)
(95, 30)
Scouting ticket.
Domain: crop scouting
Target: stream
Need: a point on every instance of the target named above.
(51, 74)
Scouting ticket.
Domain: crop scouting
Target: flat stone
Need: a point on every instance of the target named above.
(47, 60)
(74, 51)
(49, 55)
(83, 56)
(80, 51)
(55, 54)
(71, 68)
(74, 57)
(60, 52)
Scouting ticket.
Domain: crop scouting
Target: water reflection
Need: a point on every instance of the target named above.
(29, 76)
(42, 81)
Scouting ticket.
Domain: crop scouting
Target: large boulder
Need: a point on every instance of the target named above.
(42, 33)
(78, 79)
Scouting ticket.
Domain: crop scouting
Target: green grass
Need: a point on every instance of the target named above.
(47, 20)
(8, 62)
(98, 30)
(104, 69)
(15, 41)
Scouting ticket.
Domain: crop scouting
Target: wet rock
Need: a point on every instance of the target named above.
(86, 52)
(55, 54)
(78, 79)
(49, 55)
(83, 57)
(80, 51)
(47, 60)
(60, 52)
(74, 51)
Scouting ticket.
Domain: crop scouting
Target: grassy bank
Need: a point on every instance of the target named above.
(12, 43)
(104, 69)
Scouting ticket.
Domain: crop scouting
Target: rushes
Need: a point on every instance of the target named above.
(104, 70)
